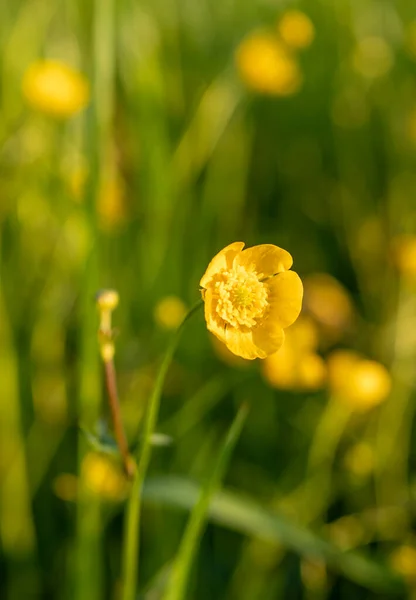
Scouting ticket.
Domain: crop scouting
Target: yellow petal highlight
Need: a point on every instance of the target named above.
(214, 325)
(285, 297)
(241, 343)
(266, 258)
(269, 337)
(222, 260)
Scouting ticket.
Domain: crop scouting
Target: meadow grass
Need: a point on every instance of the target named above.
(183, 148)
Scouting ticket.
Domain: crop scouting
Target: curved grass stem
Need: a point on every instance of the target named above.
(132, 520)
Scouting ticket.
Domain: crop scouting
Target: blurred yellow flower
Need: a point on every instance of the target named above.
(250, 297)
(296, 365)
(266, 66)
(102, 477)
(111, 204)
(329, 303)
(404, 254)
(169, 312)
(55, 88)
(372, 57)
(403, 560)
(75, 175)
(313, 574)
(359, 459)
(296, 29)
(304, 334)
(347, 532)
(359, 382)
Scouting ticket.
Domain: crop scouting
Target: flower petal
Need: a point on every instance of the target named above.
(222, 260)
(214, 324)
(267, 259)
(268, 336)
(285, 299)
(241, 343)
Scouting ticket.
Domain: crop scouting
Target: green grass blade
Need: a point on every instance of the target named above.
(132, 523)
(183, 563)
(245, 516)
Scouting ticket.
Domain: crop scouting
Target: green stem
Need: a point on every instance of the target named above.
(188, 547)
(132, 521)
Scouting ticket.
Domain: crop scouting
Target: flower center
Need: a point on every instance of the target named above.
(241, 297)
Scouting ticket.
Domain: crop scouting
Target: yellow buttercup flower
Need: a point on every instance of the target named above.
(296, 365)
(111, 201)
(360, 383)
(296, 29)
(403, 561)
(347, 532)
(266, 66)
(55, 88)
(360, 459)
(250, 297)
(373, 57)
(169, 312)
(102, 477)
(329, 303)
(404, 253)
(314, 574)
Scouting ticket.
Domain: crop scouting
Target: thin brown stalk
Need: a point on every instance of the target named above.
(111, 385)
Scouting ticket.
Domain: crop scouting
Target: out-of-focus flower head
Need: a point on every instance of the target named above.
(169, 312)
(303, 334)
(111, 201)
(372, 57)
(296, 365)
(250, 297)
(360, 383)
(404, 254)
(296, 29)
(359, 459)
(55, 88)
(75, 176)
(347, 532)
(403, 560)
(266, 66)
(103, 477)
(314, 574)
(329, 303)
(107, 300)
